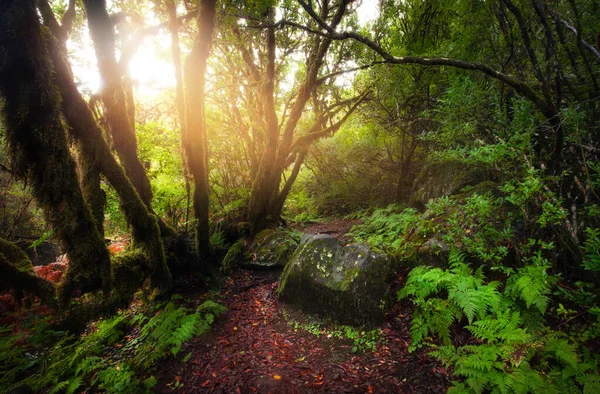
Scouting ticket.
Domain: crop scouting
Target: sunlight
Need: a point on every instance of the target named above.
(150, 69)
(367, 11)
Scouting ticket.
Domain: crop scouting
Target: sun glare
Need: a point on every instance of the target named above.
(150, 69)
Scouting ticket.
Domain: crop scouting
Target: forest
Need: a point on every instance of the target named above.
(300, 196)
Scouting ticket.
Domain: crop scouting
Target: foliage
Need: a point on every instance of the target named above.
(107, 358)
(591, 248)
(509, 353)
(389, 228)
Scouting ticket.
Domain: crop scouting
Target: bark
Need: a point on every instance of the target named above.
(88, 133)
(90, 137)
(264, 186)
(89, 176)
(118, 103)
(114, 97)
(39, 149)
(179, 93)
(278, 206)
(195, 144)
(89, 181)
(16, 272)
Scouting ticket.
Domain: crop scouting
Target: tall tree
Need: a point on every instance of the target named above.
(269, 119)
(194, 138)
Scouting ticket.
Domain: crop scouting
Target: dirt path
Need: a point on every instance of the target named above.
(253, 349)
(336, 227)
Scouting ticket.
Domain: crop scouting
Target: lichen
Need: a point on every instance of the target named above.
(327, 278)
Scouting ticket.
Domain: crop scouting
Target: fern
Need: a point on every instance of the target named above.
(66, 363)
(530, 284)
(510, 357)
(59, 387)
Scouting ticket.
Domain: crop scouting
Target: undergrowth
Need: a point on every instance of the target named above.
(490, 300)
(116, 356)
(511, 349)
(362, 340)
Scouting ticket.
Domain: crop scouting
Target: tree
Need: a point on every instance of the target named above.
(546, 98)
(195, 142)
(270, 120)
(39, 149)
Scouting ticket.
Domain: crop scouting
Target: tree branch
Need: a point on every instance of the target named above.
(590, 47)
(306, 140)
(520, 87)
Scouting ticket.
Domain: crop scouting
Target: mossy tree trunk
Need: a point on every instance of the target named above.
(16, 271)
(89, 176)
(90, 136)
(195, 141)
(39, 149)
(89, 180)
(118, 101)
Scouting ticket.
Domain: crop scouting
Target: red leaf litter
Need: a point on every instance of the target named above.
(52, 272)
(251, 349)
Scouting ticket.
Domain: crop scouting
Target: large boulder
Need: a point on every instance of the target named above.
(271, 249)
(447, 177)
(350, 283)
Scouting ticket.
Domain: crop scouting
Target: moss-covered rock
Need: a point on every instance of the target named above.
(233, 259)
(271, 249)
(447, 177)
(350, 283)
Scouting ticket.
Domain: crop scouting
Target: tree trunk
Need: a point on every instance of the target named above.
(195, 141)
(265, 202)
(39, 149)
(16, 272)
(87, 132)
(114, 97)
(89, 181)
(179, 94)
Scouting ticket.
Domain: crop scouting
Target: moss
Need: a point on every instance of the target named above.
(350, 284)
(272, 248)
(39, 150)
(480, 188)
(145, 226)
(15, 256)
(129, 270)
(89, 179)
(16, 272)
(233, 258)
(447, 177)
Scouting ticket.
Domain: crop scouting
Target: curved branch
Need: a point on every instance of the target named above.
(306, 140)
(520, 87)
(572, 29)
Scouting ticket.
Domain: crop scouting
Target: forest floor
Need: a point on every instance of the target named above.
(257, 346)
